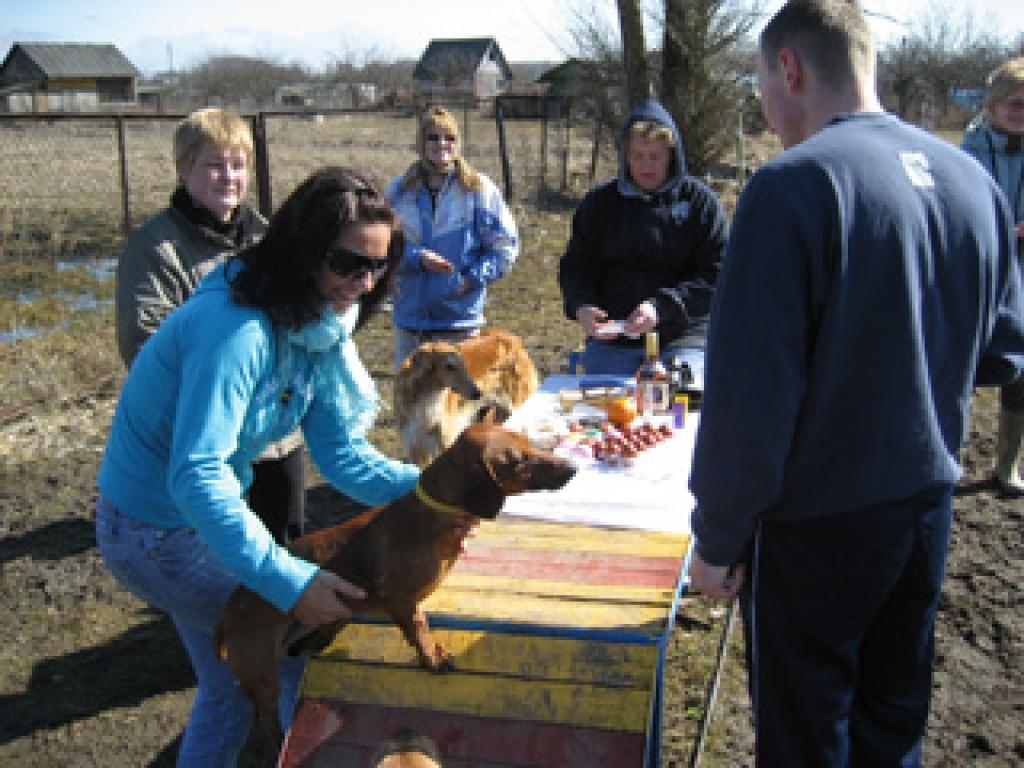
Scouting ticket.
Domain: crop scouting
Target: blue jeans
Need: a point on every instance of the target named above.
(173, 570)
(602, 357)
(839, 617)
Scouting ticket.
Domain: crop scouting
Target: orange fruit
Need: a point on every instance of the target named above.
(621, 411)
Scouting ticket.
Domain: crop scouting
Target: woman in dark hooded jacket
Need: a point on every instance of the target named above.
(645, 249)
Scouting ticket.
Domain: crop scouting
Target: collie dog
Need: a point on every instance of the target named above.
(442, 388)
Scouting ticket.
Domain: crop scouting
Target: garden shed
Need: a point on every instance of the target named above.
(66, 77)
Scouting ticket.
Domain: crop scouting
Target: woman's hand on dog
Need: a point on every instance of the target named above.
(321, 602)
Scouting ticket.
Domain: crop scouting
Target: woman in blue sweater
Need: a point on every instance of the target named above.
(263, 346)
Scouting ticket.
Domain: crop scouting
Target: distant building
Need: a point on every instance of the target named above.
(66, 77)
(472, 69)
(569, 79)
(326, 95)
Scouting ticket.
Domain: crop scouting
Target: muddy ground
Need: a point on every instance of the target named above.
(90, 676)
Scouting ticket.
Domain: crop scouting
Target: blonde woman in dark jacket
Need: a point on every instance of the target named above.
(166, 258)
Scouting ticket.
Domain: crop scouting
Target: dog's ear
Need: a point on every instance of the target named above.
(413, 367)
(483, 495)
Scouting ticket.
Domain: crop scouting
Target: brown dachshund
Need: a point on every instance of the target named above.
(398, 554)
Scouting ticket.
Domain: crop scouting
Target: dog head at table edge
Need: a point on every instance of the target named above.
(497, 462)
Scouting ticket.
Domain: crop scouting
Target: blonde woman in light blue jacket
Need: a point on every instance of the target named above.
(459, 238)
(996, 140)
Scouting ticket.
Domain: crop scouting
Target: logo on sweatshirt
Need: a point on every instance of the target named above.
(680, 211)
(915, 165)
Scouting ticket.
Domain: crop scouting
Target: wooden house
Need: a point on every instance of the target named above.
(66, 77)
(472, 69)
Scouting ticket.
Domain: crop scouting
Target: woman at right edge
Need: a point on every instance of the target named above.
(995, 140)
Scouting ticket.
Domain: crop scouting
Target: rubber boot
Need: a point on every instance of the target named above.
(1009, 451)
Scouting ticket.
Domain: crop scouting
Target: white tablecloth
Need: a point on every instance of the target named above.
(651, 494)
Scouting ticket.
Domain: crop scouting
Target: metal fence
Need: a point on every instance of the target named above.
(71, 185)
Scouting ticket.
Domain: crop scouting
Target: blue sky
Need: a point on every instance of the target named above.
(155, 33)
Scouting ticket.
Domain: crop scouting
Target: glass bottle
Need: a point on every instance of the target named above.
(652, 382)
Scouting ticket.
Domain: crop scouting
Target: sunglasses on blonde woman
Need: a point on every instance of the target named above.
(439, 136)
(353, 264)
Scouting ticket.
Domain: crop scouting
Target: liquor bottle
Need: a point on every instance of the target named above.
(652, 382)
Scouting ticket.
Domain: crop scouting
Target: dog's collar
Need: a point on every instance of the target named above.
(436, 505)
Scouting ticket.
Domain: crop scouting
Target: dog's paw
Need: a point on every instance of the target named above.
(440, 660)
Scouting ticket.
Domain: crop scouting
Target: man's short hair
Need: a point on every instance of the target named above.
(210, 127)
(832, 36)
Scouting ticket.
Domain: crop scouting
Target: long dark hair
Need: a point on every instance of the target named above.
(282, 271)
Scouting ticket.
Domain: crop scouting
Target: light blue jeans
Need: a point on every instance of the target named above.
(173, 570)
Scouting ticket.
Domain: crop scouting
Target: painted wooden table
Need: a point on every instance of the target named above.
(559, 631)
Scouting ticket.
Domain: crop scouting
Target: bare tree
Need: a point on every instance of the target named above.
(634, 52)
(599, 87)
(700, 74)
(701, 85)
(245, 82)
(945, 52)
(352, 70)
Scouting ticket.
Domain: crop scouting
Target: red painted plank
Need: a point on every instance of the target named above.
(576, 567)
(333, 733)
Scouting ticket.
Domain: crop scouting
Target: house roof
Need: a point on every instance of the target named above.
(461, 54)
(69, 60)
(568, 70)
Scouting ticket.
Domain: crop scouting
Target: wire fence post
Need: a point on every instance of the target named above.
(262, 161)
(126, 208)
(499, 118)
(741, 154)
(596, 149)
(565, 148)
(544, 144)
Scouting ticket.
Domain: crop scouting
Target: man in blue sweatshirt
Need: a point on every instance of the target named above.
(869, 285)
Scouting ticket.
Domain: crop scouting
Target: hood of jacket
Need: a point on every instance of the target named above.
(978, 135)
(981, 137)
(651, 110)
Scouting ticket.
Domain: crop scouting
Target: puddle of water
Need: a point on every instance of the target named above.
(19, 333)
(101, 269)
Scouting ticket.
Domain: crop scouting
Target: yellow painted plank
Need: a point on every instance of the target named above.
(530, 534)
(522, 656)
(472, 581)
(610, 614)
(578, 705)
